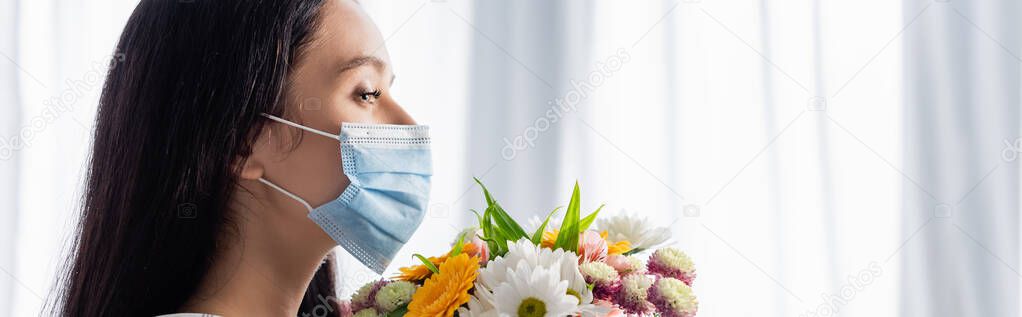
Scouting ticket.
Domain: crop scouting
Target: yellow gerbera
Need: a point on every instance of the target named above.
(619, 247)
(416, 273)
(549, 237)
(444, 292)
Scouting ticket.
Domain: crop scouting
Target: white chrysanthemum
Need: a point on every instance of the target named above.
(364, 292)
(635, 286)
(366, 295)
(368, 312)
(673, 258)
(635, 263)
(523, 251)
(393, 295)
(673, 298)
(599, 272)
(671, 262)
(636, 230)
(634, 294)
(534, 291)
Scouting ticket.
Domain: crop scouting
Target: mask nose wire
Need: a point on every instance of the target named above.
(285, 192)
(278, 119)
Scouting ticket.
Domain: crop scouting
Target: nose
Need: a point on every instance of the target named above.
(393, 113)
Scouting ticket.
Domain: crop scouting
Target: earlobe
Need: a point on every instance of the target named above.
(252, 169)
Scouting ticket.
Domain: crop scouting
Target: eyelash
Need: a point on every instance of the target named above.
(365, 95)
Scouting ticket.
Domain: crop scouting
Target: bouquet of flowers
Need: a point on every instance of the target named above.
(582, 267)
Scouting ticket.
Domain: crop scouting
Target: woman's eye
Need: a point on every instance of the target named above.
(369, 96)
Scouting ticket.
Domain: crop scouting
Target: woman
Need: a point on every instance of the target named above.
(216, 185)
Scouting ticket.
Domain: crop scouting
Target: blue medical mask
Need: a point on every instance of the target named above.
(389, 167)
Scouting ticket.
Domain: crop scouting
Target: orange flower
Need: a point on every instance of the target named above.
(549, 237)
(444, 292)
(619, 247)
(417, 273)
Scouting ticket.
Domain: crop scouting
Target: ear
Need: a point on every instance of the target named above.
(254, 165)
(252, 169)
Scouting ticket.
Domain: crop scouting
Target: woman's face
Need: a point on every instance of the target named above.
(343, 75)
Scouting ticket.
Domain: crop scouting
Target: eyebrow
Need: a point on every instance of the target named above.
(365, 60)
(361, 61)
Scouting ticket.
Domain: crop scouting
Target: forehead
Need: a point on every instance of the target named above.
(345, 32)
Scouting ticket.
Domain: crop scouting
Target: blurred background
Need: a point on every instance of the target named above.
(813, 157)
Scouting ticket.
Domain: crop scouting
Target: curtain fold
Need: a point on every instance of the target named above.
(962, 76)
(9, 162)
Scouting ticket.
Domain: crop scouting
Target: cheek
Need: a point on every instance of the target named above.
(344, 108)
(314, 170)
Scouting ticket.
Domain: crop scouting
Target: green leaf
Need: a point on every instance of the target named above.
(567, 238)
(588, 220)
(485, 239)
(490, 235)
(399, 312)
(458, 245)
(634, 251)
(489, 199)
(508, 225)
(480, 217)
(537, 237)
(429, 265)
(499, 237)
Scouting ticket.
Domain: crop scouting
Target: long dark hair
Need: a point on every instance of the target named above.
(179, 109)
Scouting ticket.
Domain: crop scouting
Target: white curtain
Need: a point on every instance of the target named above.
(786, 143)
(54, 60)
(8, 167)
(961, 209)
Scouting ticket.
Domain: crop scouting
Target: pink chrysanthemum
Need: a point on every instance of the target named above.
(671, 262)
(613, 310)
(345, 308)
(673, 298)
(633, 296)
(605, 280)
(591, 247)
(365, 297)
(626, 264)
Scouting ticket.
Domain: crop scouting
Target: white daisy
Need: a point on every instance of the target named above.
(533, 292)
(479, 307)
(523, 251)
(636, 230)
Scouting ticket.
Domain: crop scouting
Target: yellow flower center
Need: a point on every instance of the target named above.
(576, 294)
(531, 307)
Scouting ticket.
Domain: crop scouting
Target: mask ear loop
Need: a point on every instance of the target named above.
(281, 189)
(285, 192)
(278, 119)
